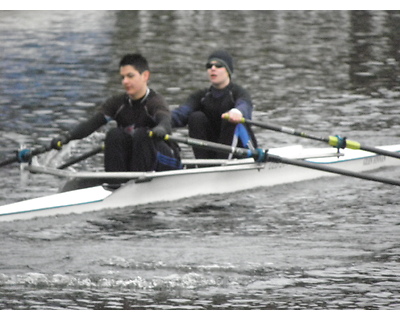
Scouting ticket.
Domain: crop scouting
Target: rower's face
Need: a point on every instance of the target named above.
(134, 82)
(217, 74)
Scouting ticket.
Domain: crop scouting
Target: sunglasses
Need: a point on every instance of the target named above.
(216, 64)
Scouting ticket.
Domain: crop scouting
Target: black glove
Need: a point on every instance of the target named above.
(58, 142)
(159, 131)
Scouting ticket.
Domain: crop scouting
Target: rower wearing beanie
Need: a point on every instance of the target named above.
(204, 110)
(224, 58)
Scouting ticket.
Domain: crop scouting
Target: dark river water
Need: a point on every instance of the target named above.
(332, 243)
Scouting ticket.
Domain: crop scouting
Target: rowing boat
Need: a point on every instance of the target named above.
(199, 177)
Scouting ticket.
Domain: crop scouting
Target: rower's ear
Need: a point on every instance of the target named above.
(146, 75)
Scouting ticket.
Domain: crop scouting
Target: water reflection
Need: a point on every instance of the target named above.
(374, 53)
(285, 58)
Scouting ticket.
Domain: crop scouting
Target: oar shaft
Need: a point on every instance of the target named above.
(25, 155)
(326, 168)
(82, 157)
(8, 161)
(284, 129)
(331, 140)
(261, 154)
(380, 151)
(240, 152)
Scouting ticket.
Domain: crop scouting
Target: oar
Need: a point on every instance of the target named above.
(25, 155)
(264, 156)
(82, 157)
(337, 142)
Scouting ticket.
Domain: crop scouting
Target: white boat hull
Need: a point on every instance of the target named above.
(174, 185)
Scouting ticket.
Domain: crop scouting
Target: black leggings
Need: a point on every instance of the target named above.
(138, 152)
(200, 127)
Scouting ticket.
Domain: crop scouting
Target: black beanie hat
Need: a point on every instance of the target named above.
(223, 57)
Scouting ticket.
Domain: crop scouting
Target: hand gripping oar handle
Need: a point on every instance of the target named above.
(263, 156)
(337, 142)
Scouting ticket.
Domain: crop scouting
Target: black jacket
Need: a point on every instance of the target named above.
(150, 111)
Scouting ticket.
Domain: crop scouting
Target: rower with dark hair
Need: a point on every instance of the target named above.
(137, 111)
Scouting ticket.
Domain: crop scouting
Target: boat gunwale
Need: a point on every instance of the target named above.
(200, 166)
